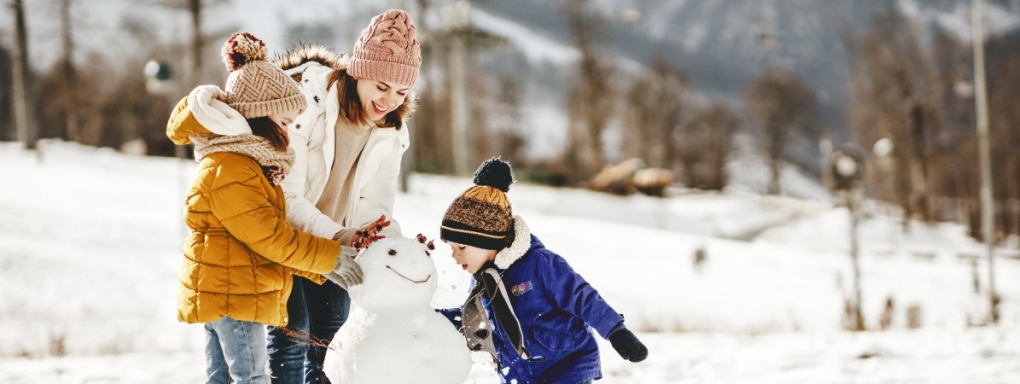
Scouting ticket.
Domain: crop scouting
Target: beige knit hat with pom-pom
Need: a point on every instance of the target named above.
(388, 50)
(255, 86)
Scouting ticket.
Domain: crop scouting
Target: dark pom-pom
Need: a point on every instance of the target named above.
(242, 48)
(495, 173)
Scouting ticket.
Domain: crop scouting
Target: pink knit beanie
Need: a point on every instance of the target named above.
(255, 86)
(387, 50)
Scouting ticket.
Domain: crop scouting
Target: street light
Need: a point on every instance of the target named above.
(159, 81)
(157, 77)
(846, 165)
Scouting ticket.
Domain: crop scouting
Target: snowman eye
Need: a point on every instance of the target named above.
(393, 252)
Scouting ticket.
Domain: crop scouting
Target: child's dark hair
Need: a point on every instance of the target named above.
(267, 128)
(510, 237)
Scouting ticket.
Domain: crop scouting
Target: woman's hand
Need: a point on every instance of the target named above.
(369, 234)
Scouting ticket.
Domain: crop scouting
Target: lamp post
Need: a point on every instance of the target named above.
(23, 106)
(984, 151)
(847, 168)
(159, 81)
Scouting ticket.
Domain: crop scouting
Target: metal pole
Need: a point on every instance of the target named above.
(458, 105)
(981, 101)
(852, 206)
(22, 73)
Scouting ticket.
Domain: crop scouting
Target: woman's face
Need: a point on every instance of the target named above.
(470, 258)
(379, 98)
(284, 119)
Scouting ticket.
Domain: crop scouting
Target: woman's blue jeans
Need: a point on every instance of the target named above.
(235, 351)
(315, 312)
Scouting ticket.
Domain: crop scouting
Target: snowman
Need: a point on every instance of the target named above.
(392, 334)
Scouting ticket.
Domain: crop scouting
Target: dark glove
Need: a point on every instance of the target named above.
(347, 273)
(628, 345)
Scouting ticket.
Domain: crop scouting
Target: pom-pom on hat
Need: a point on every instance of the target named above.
(387, 50)
(481, 216)
(255, 86)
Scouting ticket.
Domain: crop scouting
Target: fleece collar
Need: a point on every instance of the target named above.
(522, 242)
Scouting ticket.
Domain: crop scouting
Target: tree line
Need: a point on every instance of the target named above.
(907, 85)
(913, 89)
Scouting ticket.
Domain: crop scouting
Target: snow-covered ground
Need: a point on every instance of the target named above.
(90, 248)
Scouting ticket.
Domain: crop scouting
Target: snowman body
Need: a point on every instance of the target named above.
(392, 334)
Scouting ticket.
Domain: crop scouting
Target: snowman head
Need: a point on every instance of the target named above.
(398, 272)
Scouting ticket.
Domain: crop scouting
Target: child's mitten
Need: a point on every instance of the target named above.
(628, 345)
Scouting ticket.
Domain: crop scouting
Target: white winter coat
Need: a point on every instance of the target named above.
(376, 176)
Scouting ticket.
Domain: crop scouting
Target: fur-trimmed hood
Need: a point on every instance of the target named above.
(522, 243)
(203, 112)
(306, 53)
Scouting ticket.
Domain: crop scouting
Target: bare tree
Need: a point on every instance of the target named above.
(591, 99)
(657, 103)
(6, 99)
(1003, 93)
(69, 71)
(896, 95)
(918, 93)
(706, 147)
(782, 105)
(509, 137)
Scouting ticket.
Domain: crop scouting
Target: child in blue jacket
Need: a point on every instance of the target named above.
(539, 309)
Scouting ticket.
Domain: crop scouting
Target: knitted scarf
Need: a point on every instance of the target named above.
(275, 164)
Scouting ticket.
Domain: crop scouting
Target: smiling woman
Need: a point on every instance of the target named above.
(348, 147)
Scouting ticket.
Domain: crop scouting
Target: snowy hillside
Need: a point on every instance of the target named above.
(90, 246)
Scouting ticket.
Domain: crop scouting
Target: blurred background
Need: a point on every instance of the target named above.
(565, 88)
(875, 110)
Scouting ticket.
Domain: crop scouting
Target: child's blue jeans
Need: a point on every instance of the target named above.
(316, 312)
(235, 351)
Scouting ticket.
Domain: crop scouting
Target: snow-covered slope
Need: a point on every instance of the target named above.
(90, 247)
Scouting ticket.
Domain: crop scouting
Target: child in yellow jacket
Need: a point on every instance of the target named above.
(241, 253)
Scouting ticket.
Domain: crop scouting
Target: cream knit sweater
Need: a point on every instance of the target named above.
(350, 142)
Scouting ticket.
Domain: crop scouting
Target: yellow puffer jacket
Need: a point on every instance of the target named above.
(241, 253)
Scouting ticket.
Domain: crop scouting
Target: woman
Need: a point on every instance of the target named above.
(347, 147)
(241, 253)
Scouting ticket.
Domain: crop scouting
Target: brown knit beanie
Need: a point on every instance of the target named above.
(481, 216)
(255, 86)
(387, 50)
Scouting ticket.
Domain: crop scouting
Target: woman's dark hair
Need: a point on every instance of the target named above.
(267, 128)
(350, 103)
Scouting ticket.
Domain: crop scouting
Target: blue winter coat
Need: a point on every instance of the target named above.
(557, 309)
